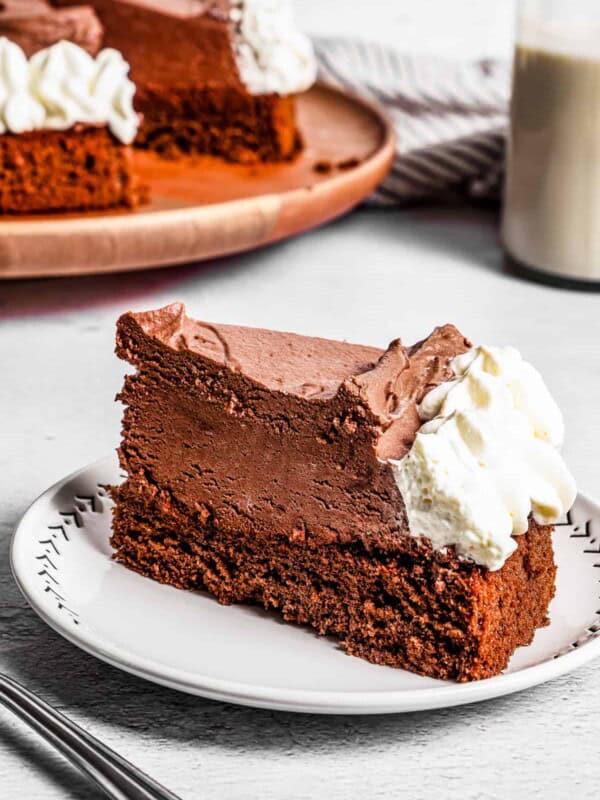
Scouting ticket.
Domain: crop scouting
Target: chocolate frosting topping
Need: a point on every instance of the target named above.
(284, 362)
(389, 382)
(185, 9)
(34, 25)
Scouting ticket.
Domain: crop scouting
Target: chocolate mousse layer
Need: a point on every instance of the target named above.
(277, 430)
(258, 469)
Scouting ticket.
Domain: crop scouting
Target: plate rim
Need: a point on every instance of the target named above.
(295, 700)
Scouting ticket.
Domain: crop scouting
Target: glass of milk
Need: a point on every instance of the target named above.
(551, 218)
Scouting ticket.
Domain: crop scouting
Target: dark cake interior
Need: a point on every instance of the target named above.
(257, 470)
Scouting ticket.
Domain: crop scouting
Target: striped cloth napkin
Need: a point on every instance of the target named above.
(450, 118)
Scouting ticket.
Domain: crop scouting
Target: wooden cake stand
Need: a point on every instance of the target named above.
(202, 207)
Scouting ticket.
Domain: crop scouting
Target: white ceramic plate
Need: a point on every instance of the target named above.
(61, 559)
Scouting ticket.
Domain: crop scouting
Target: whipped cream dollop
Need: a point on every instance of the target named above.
(272, 55)
(63, 85)
(486, 458)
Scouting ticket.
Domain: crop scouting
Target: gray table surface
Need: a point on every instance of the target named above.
(369, 278)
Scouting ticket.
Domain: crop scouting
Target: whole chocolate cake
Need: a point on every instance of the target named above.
(298, 473)
(208, 76)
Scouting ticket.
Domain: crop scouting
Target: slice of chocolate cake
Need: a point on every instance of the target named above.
(267, 468)
(213, 76)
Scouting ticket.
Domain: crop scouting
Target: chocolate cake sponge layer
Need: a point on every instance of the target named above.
(240, 128)
(84, 168)
(391, 600)
(258, 469)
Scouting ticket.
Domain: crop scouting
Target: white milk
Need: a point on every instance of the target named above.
(551, 219)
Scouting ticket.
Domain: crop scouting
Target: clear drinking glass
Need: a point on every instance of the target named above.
(551, 217)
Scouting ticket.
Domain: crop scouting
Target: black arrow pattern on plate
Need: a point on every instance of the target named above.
(57, 536)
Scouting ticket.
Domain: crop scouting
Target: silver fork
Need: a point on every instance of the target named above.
(115, 776)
